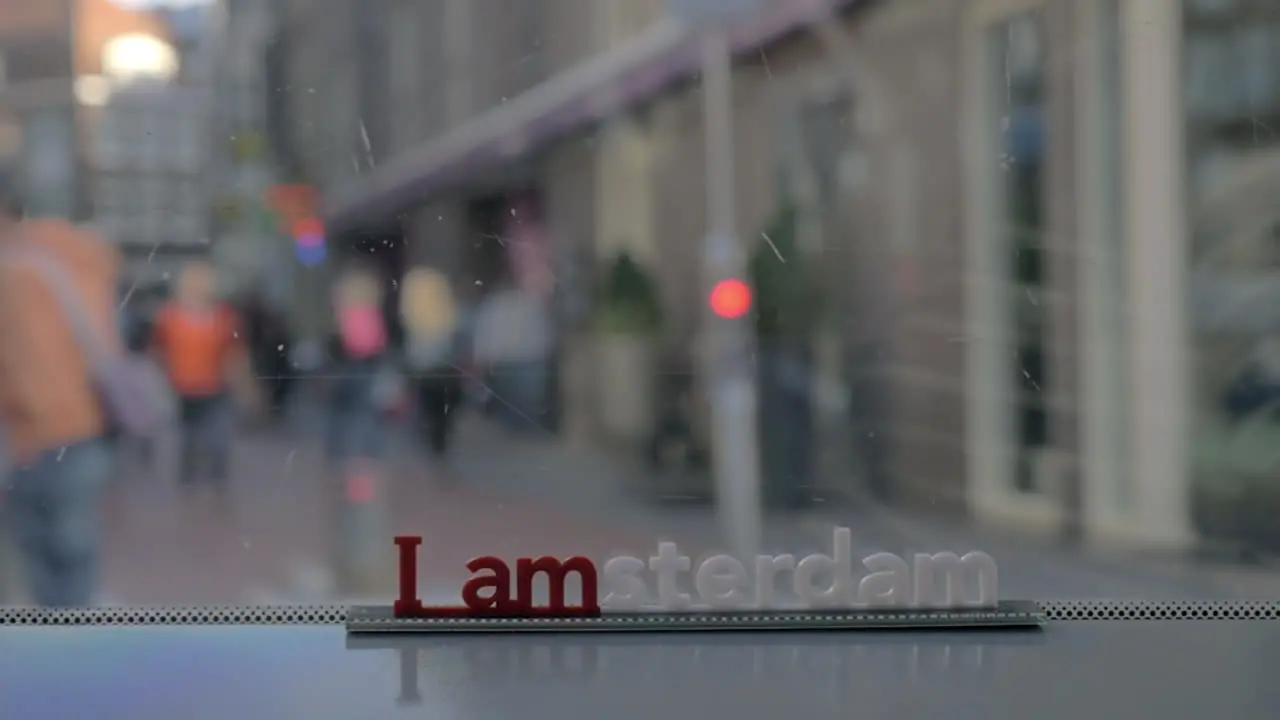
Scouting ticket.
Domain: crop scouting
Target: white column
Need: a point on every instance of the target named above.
(1154, 180)
(1103, 272)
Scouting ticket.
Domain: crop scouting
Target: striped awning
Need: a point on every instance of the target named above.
(566, 104)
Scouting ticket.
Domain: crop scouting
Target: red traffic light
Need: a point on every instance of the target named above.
(308, 227)
(731, 299)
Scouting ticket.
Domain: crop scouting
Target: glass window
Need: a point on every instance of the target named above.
(943, 276)
(1017, 60)
(1256, 65)
(49, 162)
(108, 196)
(1105, 242)
(127, 225)
(1233, 163)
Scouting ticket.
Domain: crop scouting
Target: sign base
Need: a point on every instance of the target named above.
(1008, 615)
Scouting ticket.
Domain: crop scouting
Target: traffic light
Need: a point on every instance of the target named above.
(730, 298)
(291, 205)
(308, 241)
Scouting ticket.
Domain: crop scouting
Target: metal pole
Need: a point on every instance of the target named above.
(363, 568)
(730, 362)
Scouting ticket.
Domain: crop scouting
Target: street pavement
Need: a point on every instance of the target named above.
(269, 543)
(589, 483)
(270, 540)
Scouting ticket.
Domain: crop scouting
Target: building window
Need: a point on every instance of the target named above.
(406, 72)
(107, 146)
(10, 138)
(1232, 111)
(49, 162)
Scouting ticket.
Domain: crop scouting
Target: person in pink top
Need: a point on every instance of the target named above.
(358, 350)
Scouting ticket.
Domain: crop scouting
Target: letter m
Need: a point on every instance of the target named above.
(557, 573)
(954, 571)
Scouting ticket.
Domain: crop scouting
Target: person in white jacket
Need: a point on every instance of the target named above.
(513, 342)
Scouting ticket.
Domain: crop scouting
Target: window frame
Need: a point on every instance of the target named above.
(990, 427)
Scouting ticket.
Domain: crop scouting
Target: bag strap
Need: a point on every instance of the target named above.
(69, 297)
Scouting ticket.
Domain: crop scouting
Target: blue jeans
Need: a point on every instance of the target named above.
(355, 428)
(208, 426)
(53, 508)
(520, 391)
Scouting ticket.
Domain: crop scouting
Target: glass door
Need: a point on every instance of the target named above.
(1011, 470)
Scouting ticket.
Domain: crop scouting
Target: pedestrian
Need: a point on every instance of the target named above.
(136, 323)
(52, 422)
(514, 342)
(360, 392)
(270, 343)
(197, 341)
(429, 312)
(359, 357)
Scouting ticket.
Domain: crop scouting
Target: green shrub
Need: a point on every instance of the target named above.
(788, 299)
(627, 301)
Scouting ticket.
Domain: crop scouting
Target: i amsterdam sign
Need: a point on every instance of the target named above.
(929, 591)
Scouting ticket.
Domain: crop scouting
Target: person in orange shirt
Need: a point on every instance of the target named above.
(55, 458)
(196, 339)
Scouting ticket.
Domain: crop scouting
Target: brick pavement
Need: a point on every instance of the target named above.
(164, 546)
(512, 497)
(593, 483)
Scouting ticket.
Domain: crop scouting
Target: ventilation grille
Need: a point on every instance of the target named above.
(1054, 611)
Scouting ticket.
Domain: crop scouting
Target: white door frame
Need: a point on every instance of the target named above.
(988, 363)
(1109, 497)
(1156, 233)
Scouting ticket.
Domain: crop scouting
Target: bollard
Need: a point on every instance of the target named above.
(8, 576)
(13, 589)
(364, 559)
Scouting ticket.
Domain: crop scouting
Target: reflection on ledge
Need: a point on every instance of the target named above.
(827, 661)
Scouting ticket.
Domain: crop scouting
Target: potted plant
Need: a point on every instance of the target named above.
(627, 320)
(1235, 492)
(787, 313)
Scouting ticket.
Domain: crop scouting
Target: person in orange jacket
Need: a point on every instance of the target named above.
(197, 340)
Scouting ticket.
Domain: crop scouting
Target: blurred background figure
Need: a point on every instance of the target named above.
(514, 342)
(361, 370)
(137, 327)
(270, 347)
(136, 321)
(197, 340)
(433, 360)
(54, 455)
(359, 353)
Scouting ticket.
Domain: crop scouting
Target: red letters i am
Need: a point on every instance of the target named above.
(488, 591)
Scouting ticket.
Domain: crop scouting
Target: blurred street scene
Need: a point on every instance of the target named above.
(567, 277)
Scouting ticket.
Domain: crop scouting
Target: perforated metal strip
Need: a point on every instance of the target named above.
(191, 615)
(1053, 610)
(1059, 610)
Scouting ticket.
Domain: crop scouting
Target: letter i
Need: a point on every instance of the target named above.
(408, 604)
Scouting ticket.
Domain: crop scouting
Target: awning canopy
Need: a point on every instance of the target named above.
(576, 99)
